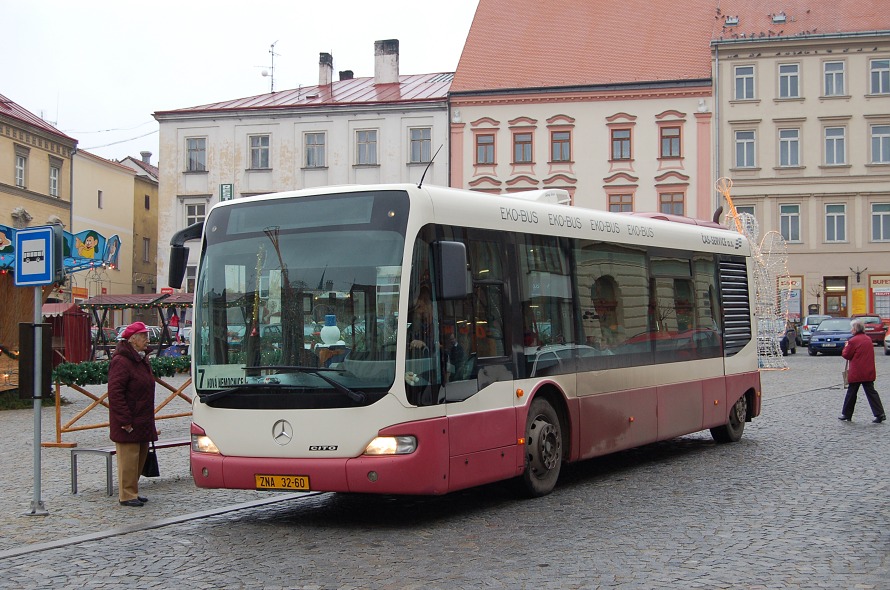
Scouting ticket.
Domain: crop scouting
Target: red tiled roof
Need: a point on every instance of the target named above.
(148, 168)
(562, 43)
(11, 109)
(565, 43)
(357, 91)
(802, 17)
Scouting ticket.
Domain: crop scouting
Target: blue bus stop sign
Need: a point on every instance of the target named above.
(37, 256)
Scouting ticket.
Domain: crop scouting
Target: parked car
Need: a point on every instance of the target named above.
(830, 336)
(874, 327)
(806, 327)
(110, 334)
(788, 343)
(887, 346)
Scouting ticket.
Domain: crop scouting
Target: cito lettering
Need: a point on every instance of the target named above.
(519, 215)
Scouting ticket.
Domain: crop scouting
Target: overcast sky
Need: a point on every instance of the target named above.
(97, 69)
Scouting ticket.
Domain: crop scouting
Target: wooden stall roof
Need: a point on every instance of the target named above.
(140, 300)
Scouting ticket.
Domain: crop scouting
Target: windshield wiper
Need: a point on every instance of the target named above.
(209, 397)
(356, 396)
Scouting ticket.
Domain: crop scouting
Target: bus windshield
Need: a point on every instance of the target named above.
(300, 295)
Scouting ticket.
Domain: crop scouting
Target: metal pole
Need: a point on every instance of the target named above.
(37, 507)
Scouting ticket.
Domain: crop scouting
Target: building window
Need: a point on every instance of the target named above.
(54, 181)
(315, 150)
(522, 148)
(621, 144)
(21, 164)
(744, 149)
(366, 147)
(834, 146)
(789, 147)
(834, 78)
(485, 149)
(421, 145)
(191, 277)
(789, 81)
(671, 203)
(670, 142)
(880, 222)
(880, 144)
(259, 152)
(146, 249)
(880, 76)
(744, 82)
(195, 213)
(99, 202)
(789, 222)
(147, 203)
(749, 209)
(561, 146)
(621, 203)
(196, 152)
(835, 223)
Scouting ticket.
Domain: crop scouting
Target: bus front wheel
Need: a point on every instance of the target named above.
(543, 449)
(735, 426)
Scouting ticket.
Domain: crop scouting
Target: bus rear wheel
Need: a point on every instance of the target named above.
(543, 449)
(735, 426)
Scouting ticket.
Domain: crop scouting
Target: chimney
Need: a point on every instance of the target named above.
(386, 61)
(146, 157)
(346, 74)
(325, 69)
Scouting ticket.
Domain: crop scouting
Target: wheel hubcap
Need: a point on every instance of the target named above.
(545, 446)
(740, 409)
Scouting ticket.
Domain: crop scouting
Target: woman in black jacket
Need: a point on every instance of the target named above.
(131, 402)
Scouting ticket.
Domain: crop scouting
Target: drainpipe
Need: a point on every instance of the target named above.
(71, 211)
(717, 120)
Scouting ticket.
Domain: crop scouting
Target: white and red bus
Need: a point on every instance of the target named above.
(404, 340)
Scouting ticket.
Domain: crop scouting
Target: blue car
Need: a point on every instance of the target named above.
(830, 336)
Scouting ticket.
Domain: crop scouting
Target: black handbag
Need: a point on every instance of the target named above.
(150, 468)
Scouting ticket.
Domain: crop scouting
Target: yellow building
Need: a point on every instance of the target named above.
(145, 231)
(35, 190)
(104, 203)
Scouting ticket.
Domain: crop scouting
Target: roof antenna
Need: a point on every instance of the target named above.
(425, 170)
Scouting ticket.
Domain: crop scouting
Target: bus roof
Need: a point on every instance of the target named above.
(545, 212)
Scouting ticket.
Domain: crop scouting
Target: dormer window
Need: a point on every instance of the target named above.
(779, 19)
(732, 21)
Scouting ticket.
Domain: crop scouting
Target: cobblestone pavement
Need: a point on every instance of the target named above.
(800, 502)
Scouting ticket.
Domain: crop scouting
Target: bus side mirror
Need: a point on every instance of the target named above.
(179, 257)
(179, 254)
(452, 275)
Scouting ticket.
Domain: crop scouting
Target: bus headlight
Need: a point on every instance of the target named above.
(392, 445)
(201, 443)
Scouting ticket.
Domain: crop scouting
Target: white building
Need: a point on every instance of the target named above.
(379, 129)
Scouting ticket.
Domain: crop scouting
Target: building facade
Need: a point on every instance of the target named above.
(145, 231)
(803, 103)
(35, 190)
(104, 203)
(621, 126)
(377, 129)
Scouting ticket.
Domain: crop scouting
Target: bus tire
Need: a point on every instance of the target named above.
(735, 426)
(543, 449)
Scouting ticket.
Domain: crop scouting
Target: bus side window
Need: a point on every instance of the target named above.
(487, 269)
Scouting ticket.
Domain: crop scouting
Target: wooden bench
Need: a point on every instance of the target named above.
(108, 453)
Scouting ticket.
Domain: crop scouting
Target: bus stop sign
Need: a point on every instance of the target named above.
(38, 256)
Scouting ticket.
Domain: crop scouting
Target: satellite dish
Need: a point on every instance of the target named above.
(265, 73)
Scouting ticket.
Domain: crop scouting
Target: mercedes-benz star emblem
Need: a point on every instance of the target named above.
(282, 432)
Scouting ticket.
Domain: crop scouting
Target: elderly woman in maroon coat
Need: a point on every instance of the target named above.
(860, 353)
(131, 402)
